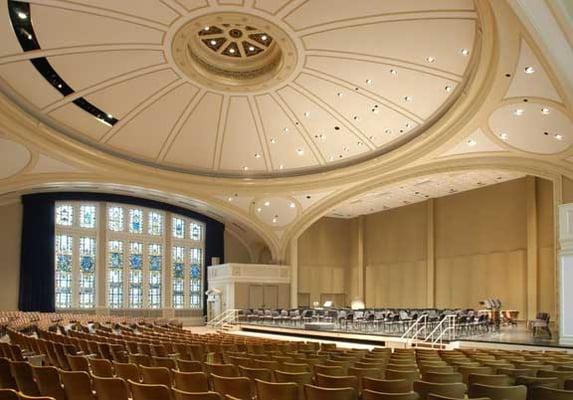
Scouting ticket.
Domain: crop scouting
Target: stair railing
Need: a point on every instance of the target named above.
(229, 316)
(415, 330)
(446, 328)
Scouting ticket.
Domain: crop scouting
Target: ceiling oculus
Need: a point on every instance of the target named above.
(234, 52)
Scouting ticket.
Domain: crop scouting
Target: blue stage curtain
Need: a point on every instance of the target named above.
(37, 280)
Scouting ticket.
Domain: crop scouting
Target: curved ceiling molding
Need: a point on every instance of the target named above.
(477, 142)
(13, 158)
(297, 90)
(49, 165)
(533, 127)
(530, 78)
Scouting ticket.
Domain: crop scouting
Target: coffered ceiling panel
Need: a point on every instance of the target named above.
(84, 29)
(281, 87)
(146, 133)
(9, 42)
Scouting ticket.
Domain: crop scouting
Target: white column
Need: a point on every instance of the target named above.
(566, 273)
(293, 258)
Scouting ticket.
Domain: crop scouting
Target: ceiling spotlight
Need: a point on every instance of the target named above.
(206, 28)
(285, 130)
(22, 15)
(503, 136)
(300, 152)
(339, 94)
(448, 88)
(281, 166)
(369, 81)
(230, 198)
(109, 116)
(321, 137)
(529, 69)
(472, 142)
(518, 112)
(59, 85)
(545, 111)
(29, 37)
(213, 42)
(232, 51)
(257, 155)
(465, 52)
(407, 124)
(558, 136)
(273, 140)
(251, 48)
(407, 98)
(388, 131)
(393, 72)
(359, 144)
(346, 149)
(356, 118)
(307, 114)
(259, 209)
(292, 205)
(275, 219)
(430, 59)
(375, 110)
(267, 203)
(245, 168)
(264, 37)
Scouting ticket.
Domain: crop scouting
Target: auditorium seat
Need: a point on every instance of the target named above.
(189, 366)
(141, 391)
(546, 393)
(238, 387)
(490, 379)
(181, 395)
(440, 377)
(22, 373)
(155, 376)
(373, 395)
(101, 367)
(455, 390)
(276, 391)
(319, 393)
(48, 382)
(498, 392)
(8, 394)
(191, 381)
(110, 388)
(77, 385)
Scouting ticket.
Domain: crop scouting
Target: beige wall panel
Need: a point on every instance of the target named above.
(567, 190)
(491, 219)
(396, 235)
(545, 241)
(546, 281)
(396, 285)
(235, 251)
(242, 295)
(284, 295)
(10, 233)
(465, 280)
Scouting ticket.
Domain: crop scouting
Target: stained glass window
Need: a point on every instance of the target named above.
(155, 223)
(64, 253)
(115, 218)
(155, 261)
(178, 228)
(178, 260)
(87, 216)
(135, 275)
(195, 280)
(195, 231)
(87, 272)
(115, 274)
(64, 215)
(135, 220)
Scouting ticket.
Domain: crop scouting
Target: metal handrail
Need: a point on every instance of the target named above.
(416, 328)
(226, 317)
(450, 320)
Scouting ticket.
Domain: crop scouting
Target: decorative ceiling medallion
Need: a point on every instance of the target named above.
(234, 52)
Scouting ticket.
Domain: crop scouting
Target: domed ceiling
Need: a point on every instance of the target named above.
(238, 88)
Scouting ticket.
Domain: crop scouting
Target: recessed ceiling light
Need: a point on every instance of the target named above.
(322, 137)
(430, 59)
(251, 48)
(346, 149)
(22, 15)
(264, 37)
(545, 111)
(307, 114)
(371, 137)
(557, 136)
(267, 203)
(275, 219)
(281, 166)
(356, 118)
(213, 42)
(232, 51)
(448, 88)
(369, 81)
(518, 112)
(257, 155)
(359, 143)
(465, 52)
(388, 131)
(230, 198)
(273, 140)
(292, 205)
(393, 72)
(245, 168)
(207, 28)
(285, 130)
(375, 110)
(259, 209)
(407, 124)
(407, 98)
(529, 69)
(29, 37)
(300, 152)
(503, 136)
(109, 116)
(471, 142)
(59, 85)
(339, 94)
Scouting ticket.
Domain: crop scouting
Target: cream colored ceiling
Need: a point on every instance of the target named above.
(123, 64)
(357, 89)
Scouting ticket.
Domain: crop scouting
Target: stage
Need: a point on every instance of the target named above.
(509, 337)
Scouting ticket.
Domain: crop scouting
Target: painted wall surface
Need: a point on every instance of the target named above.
(235, 251)
(10, 232)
